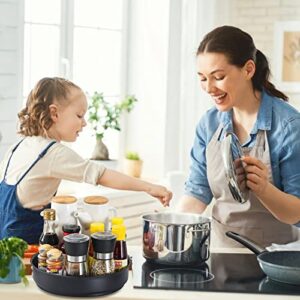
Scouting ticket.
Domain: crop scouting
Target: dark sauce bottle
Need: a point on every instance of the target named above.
(49, 236)
(68, 229)
(120, 251)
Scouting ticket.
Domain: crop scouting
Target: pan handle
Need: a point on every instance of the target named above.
(246, 242)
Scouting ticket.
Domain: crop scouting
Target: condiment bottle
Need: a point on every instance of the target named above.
(117, 221)
(76, 247)
(120, 251)
(42, 257)
(49, 236)
(103, 245)
(68, 229)
(95, 227)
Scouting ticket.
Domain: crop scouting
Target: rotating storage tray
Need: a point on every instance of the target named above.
(78, 286)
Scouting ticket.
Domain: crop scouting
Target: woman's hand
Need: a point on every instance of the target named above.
(257, 175)
(240, 174)
(161, 193)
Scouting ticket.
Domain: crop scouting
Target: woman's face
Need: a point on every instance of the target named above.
(225, 83)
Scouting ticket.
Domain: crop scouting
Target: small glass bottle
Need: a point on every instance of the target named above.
(68, 229)
(103, 261)
(120, 251)
(95, 227)
(76, 247)
(117, 221)
(49, 235)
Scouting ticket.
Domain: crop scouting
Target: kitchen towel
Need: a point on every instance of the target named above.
(294, 246)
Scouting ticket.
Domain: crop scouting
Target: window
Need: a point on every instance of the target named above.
(81, 40)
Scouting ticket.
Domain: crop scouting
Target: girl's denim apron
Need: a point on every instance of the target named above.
(15, 220)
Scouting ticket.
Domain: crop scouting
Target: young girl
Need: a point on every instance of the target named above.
(33, 168)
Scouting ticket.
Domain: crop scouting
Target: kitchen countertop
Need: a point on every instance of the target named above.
(32, 292)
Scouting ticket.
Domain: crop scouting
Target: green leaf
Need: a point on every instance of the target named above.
(103, 115)
(132, 155)
(10, 247)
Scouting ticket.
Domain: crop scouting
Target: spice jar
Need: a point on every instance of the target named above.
(76, 247)
(103, 245)
(95, 227)
(54, 261)
(42, 257)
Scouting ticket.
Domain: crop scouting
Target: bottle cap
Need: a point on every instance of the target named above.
(117, 221)
(119, 231)
(96, 227)
(48, 214)
(95, 200)
(76, 244)
(70, 228)
(64, 199)
(103, 242)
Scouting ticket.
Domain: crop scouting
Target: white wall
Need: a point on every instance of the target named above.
(165, 141)
(10, 70)
(147, 77)
(258, 18)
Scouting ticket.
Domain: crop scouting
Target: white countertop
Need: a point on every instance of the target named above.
(32, 292)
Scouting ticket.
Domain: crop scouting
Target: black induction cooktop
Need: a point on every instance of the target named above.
(222, 272)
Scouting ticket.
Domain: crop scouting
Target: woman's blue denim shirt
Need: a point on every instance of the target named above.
(282, 123)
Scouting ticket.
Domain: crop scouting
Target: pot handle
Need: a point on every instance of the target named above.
(246, 242)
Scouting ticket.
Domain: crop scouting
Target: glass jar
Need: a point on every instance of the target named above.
(95, 227)
(103, 261)
(76, 247)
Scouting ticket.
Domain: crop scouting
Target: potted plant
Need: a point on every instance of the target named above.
(103, 115)
(133, 164)
(12, 269)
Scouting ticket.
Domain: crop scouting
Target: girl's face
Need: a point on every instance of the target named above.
(225, 83)
(69, 120)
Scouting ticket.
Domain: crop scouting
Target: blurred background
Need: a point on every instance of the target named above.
(141, 47)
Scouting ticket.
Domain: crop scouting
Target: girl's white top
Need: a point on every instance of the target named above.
(40, 184)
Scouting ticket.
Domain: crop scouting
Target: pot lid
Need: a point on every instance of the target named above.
(234, 168)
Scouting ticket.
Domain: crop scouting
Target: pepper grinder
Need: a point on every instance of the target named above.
(76, 248)
(103, 245)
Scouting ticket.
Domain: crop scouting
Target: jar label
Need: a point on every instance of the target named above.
(120, 263)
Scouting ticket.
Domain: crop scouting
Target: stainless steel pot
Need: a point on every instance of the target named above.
(176, 238)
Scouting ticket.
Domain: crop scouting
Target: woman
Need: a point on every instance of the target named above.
(236, 75)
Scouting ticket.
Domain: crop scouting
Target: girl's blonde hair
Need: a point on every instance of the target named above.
(35, 118)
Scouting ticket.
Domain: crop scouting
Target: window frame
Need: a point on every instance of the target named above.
(66, 60)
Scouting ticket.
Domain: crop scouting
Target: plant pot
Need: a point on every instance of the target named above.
(100, 151)
(133, 167)
(14, 269)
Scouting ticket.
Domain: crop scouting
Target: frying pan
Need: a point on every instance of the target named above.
(282, 266)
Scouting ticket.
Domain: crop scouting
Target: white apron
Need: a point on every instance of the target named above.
(251, 219)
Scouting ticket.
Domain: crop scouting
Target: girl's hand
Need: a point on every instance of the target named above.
(257, 175)
(161, 193)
